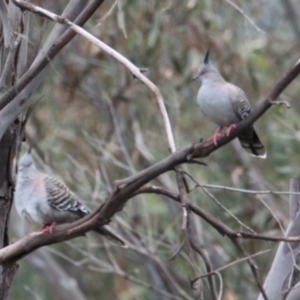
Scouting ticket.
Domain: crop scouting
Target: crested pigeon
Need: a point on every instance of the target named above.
(226, 104)
(47, 201)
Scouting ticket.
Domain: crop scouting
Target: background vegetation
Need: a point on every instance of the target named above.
(96, 124)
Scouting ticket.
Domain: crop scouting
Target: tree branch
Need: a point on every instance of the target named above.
(214, 222)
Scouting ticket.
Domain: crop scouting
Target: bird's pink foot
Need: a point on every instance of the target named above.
(215, 136)
(48, 227)
(228, 129)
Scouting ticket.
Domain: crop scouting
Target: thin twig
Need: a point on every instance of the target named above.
(182, 200)
(171, 279)
(245, 16)
(178, 250)
(208, 266)
(252, 266)
(211, 196)
(281, 102)
(253, 192)
(237, 261)
(102, 19)
(119, 134)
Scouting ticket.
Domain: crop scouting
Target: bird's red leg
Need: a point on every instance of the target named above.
(48, 227)
(215, 136)
(228, 129)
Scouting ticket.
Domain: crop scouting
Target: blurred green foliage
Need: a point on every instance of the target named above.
(73, 126)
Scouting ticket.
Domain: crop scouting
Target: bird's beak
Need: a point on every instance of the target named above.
(29, 150)
(196, 77)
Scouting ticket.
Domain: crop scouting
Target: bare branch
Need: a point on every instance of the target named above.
(180, 184)
(286, 103)
(237, 261)
(214, 222)
(251, 192)
(252, 266)
(208, 266)
(211, 196)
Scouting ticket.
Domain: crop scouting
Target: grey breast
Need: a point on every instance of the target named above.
(216, 105)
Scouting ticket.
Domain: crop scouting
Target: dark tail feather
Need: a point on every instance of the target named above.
(111, 236)
(252, 144)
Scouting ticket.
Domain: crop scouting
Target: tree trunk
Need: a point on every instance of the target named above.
(8, 146)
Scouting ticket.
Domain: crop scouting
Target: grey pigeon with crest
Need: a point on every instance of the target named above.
(47, 201)
(226, 104)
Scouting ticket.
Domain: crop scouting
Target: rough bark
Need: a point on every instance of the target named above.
(8, 146)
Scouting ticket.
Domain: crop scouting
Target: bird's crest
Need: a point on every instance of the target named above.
(206, 59)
